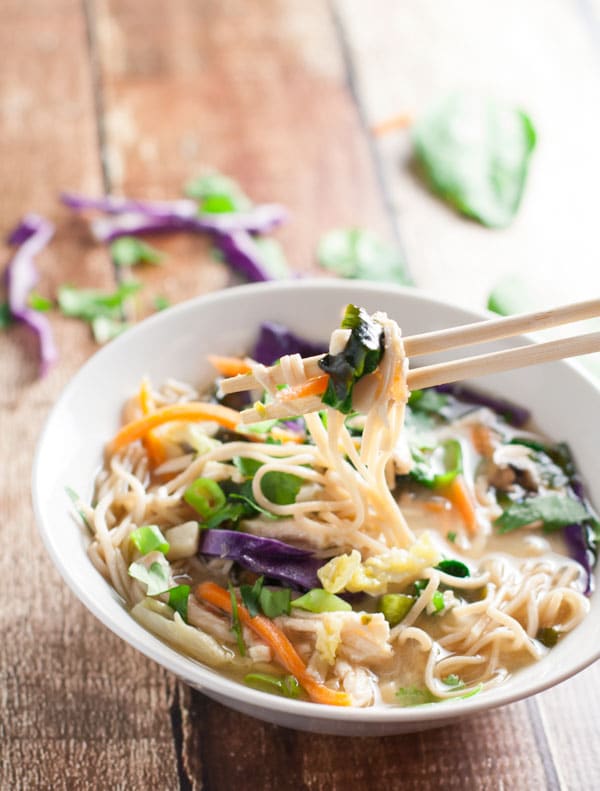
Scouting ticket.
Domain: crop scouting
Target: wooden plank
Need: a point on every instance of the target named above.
(541, 57)
(77, 708)
(256, 90)
(476, 753)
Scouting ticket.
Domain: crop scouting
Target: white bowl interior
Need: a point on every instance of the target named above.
(565, 404)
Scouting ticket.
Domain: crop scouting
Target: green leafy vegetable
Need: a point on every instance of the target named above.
(548, 636)
(129, 251)
(475, 153)
(319, 600)
(359, 253)
(156, 576)
(251, 596)
(178, 600)
(148, 538)
(205, 496)
(6, 318)
(38, 302)
(451, 536)
(88, 303)
(231, 512)
(280, 488)
(415, 696)
(395, 607)
(161, 302)
(553, 510)
(510, 295)
(454, 567)
(275, 601)
(437, 467)
(217, 194)
(360, 357)
(287, 686)
(236, 626)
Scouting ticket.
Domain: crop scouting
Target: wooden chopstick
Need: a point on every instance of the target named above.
(444, 373)
(452, 338)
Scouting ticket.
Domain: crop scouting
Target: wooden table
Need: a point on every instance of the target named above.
(134, 97)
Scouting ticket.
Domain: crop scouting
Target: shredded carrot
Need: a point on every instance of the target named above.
(311, 387)
(287, 436)
(229, 366)
(461, 499)
(285, 652)
(193, 411)
(145, 397)
(437, 506)
(154, 447)
(393, 124)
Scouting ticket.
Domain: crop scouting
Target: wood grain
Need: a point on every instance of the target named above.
(77, 708)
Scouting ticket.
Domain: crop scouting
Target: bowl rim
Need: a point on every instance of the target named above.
(206, 678)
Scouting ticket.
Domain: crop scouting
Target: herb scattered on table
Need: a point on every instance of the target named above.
(360, 253)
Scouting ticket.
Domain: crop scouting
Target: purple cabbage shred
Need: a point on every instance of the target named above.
(32, 234)
(275, 340)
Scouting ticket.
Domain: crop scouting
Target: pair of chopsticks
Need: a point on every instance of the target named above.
(454, 338)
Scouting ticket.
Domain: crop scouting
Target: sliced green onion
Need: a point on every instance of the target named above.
(437, 601)
(205, 496)
(78, 503)
(287, 686)
(395, 607)
(319, 600)
(148, 538)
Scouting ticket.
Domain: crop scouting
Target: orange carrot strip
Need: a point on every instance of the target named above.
(287, 436)
(285, 652)
(154, 447)
(193, 411)
(460, 497)
(393, 124)
(311, 387)
(229, 366)
(145, 397)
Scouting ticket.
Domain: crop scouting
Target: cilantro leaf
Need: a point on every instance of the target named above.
(251, 596)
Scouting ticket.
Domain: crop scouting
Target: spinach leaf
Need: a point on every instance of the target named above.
(360, 357)
(280, 488)
(455, 568)
(359, 253)
(251, 596)
(475, 153)
(275, 601)
(553, 510)
(428, 401)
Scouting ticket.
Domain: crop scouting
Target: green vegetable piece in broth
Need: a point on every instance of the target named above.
(548, 636)
(236, 625)
(148, 538)
(360, 253)
(155, 576)
(287, 686)
(319, 600)
(553, 510)
(275, 601)
(178, 600)
(205, 496)
(475, 153)
(251, 596)
(455, 568)
(395, 607)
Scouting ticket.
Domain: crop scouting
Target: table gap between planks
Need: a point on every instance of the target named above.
(137, 97)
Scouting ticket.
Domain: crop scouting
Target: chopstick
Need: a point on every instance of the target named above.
(454, 338)
(444, 373)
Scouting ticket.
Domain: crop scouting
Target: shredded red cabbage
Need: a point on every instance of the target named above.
(515, 415)
(32, 234)
(582, 549)
(137, 217)
(275, 340)
(267, 556)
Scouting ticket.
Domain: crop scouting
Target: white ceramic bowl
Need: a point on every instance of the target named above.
(565, 403)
